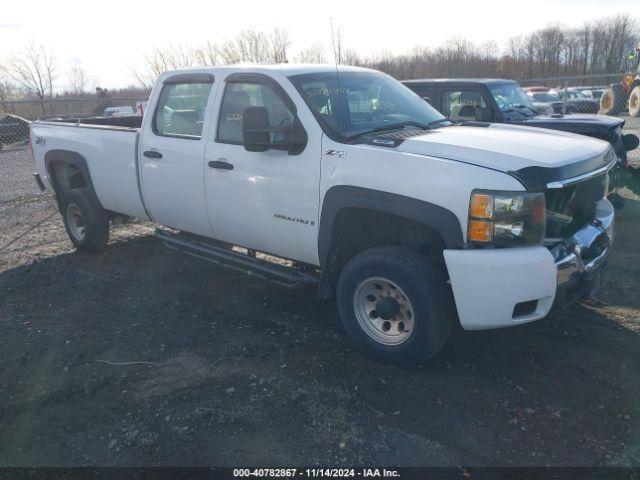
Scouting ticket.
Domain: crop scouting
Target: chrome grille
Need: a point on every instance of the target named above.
(571, 207)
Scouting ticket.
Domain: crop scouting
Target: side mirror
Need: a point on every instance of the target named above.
(255, 129)
(257, 134)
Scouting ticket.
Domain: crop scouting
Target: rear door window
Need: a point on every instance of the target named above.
(181, 109)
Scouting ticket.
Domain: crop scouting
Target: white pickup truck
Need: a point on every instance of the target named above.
(353, 182)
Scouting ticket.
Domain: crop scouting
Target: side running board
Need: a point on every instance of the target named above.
(225, 256)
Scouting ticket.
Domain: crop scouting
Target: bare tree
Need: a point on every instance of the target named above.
(351, 57)
(312, 54)
(208, 54)
(595, 47)
(34, 70)
(161, 60)
(255, 46)
(78, 80)
(250, 45)
(8, 94)
(279, 43)
(337, 45)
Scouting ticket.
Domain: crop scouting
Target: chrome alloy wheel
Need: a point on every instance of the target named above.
(75, 220)
(383, 311)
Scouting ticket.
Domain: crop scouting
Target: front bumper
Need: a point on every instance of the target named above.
(581, 259)
(495, 288)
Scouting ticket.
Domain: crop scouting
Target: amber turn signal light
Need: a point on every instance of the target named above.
(480, 231)
(481, 206)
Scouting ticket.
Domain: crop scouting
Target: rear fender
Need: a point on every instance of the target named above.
(66, 157)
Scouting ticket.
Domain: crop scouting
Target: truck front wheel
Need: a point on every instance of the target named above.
(85, 221)
(395, 305)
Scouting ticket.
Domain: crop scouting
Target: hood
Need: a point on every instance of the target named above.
(550, 154)
(577, 123)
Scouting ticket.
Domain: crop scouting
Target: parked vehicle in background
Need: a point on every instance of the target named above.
(575, 101)
(13, 129)
(118, 111)
(504, 101)
(626, 93)
(355, 183)
(563, 101)
(594, 92)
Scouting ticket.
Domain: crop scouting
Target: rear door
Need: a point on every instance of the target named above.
(172, 153)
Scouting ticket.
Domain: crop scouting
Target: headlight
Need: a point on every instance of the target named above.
(506, 218)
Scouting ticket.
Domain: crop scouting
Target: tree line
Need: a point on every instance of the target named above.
(596, 47)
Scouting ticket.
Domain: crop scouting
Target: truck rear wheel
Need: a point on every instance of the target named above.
(85, 221)
(613, 100)
(395, 305)
(634, 102)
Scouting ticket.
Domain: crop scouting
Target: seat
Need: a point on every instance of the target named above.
(463, 112)
(185, 122)
(233, 105)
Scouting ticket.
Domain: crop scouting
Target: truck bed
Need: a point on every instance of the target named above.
(108, 146)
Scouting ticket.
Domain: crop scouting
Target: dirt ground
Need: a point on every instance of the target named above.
(142, 356)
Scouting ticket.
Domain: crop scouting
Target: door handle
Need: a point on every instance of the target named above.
(221, 164)
(152, 154)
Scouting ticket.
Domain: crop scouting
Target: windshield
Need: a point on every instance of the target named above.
(510, 96)
(361, 102)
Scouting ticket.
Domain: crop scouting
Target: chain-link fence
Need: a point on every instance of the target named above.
(16, 115)
(579, 94)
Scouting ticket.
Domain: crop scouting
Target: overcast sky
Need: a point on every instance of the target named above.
(109, 37)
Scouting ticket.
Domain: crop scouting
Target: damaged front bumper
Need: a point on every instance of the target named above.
(503, 287)
(581, 258)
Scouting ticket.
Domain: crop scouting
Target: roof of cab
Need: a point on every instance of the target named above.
(285, 69)
(486, 81)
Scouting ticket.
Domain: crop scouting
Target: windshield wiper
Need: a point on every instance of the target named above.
(514, 110)
(391, 126)
(435, 122)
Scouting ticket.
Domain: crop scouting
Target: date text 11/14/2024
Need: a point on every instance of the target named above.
(316, 472)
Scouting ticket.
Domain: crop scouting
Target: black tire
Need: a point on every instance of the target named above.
(428, 293)
(613, 101)
(80, 206)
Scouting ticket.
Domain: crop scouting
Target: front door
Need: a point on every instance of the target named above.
(263, 200)
(172, 155)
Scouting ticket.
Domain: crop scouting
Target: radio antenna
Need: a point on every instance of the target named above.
(333, 44)
(335, 59)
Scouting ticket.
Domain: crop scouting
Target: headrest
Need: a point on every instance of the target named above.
(235, 103)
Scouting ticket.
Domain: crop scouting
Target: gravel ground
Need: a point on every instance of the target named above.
(239, 371)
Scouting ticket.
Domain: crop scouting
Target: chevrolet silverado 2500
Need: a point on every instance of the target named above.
(355, 183)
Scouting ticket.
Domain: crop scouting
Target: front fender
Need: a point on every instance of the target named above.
(340, 197)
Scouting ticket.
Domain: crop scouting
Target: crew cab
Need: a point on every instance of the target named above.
(504, 101)
(345, 179)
